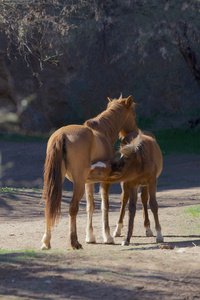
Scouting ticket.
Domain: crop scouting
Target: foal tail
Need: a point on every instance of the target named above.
(53, 179)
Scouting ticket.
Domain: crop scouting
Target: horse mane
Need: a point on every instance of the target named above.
(129, 152)
(135, 147)
(108, 120)
(129, 126)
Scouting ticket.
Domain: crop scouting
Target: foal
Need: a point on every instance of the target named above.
(139, 165)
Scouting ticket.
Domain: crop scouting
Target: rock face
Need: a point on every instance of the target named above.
(148, 49)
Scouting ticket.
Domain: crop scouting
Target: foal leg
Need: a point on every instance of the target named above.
(132, 211)
(124, 200)
(89, 190)
(105, 210)
(78, 192)
(154, 208)
(144, 198)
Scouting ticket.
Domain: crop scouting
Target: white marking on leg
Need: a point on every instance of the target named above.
(108, 239)
(159, 237)
(90, 238)
(46, 242)
(98, 164)
(149, 232)
(125, 243)
(117, 231)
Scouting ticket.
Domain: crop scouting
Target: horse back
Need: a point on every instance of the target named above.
(152, 157)
(102, 149)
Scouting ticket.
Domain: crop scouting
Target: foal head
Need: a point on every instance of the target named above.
(130, 123)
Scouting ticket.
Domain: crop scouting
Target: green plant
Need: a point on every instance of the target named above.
(178, 141)
(18, 255)
(194, 211)
(10, 189)
(17, 138)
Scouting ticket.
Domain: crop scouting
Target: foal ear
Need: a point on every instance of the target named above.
(109, 99)
(129, 101)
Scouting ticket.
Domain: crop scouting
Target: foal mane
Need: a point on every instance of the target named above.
(133, 151)
(134, 148)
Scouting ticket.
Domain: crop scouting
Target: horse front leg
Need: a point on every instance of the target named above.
(154, 208)
(132, 211)
(124, 200)
(144, 198)
(105, 210)
(78, 192)
(89, 190)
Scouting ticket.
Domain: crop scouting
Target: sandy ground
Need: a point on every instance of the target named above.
(139, 271)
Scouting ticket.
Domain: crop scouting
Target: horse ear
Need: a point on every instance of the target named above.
(129, 101)
(109, 99)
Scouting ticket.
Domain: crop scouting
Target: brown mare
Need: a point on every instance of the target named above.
(139, 165)
(128, 127)
(70, 152)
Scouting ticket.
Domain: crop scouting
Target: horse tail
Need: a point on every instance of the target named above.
(53, 179)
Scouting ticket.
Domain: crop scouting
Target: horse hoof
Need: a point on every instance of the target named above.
(109, 240)
(159, 238)
(91, 240)
(125, 243)
(77, 246)
(149, 232)
(45, 247)
(116, 233)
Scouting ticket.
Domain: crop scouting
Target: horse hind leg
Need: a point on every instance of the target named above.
(89, 190)
(154, 208)
(78, 192)
(108, 239)
(132, 211)
(46, 237)
(144, 198)
(124, 200)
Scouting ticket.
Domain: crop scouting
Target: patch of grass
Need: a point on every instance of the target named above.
(27, 254)
(194, 211)
(10, 189)
(178, 141)
(17, 138)
(18, 255)
(146, 122)
(4, 251)
(171, 141)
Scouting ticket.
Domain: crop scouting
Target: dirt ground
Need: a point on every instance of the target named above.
(139, 271)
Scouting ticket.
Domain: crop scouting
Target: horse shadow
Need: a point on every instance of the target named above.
(193, 241)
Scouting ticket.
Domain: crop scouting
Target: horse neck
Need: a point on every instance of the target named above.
(109, 123)
(129, 126)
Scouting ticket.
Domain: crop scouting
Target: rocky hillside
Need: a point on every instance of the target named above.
(149, 49)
